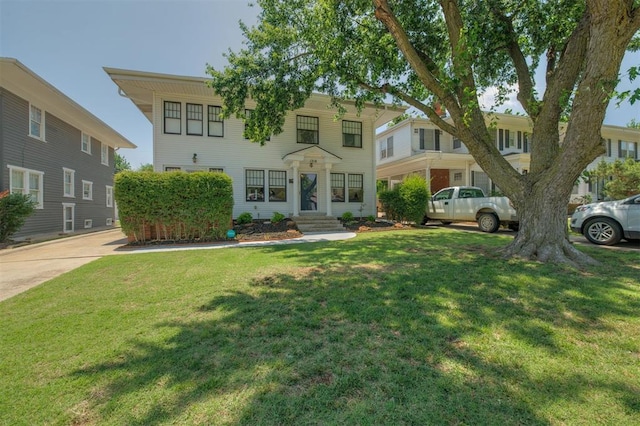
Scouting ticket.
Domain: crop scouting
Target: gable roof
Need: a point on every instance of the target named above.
(140, 86)
(20, 80)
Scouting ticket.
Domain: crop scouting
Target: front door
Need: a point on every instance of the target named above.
(439, 179)
(308, 191)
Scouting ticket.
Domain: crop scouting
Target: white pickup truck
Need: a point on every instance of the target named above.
(469, 204)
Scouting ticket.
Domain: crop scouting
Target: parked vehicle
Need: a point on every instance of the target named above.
(470, 204)
(607, 222)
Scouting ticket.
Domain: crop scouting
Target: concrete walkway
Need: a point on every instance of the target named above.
(28, 266)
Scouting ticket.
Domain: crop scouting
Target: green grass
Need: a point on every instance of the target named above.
(407, 327)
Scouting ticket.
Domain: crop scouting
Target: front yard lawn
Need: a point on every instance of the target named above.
(414, 327)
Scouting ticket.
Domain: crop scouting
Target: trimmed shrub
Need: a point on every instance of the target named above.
(175, 206)
(14, 210)
(347, 217)
(371, 218)
(407, 201)
(244, 218)
(277, 217)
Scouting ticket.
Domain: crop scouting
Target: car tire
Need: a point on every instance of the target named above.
(488, 222)
(602, 231)
(515, 227)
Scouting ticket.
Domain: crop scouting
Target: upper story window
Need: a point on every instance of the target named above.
(506, 139)
(308, 129)
(172, 118)
(429, 139)
(87, 190)
(194, 119)
(457, 143)
(28, 182)
(247, 115)
(85, 143)
(627, 149)
(68, 182)
(216, 124)
(386, 148)
(352, 133)
(36, 122)
(104, 154)
(608, 147)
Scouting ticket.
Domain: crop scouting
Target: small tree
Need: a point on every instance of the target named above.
(147, 167)
(624, 178)
(14, 210)
(121, 163)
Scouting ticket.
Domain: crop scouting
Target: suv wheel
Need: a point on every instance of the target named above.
(602, 231)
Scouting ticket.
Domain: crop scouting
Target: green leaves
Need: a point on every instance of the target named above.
(182, 205)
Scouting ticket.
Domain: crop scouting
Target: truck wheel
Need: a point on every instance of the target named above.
(446, 222)
(602, 231)
(488, 222)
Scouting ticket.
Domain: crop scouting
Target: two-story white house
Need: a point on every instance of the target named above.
(418, 146)
(318, 164)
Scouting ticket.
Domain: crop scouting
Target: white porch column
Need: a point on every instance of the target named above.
(327, 184)
(427, 174)
(296, 189)
(468, 173)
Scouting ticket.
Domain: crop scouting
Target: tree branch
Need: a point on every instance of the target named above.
(384, 14)
(431, 113)
(525, 82)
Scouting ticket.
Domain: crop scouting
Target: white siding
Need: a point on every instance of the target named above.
(235, 154)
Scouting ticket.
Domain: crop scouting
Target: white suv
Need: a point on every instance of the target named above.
(607, 222)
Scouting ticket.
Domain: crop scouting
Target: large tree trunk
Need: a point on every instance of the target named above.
(544, 234)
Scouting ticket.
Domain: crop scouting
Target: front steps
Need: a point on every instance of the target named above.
(318, 223)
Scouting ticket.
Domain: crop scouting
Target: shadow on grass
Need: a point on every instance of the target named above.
(393, 330)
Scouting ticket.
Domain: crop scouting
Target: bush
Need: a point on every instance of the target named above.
(277, 217)
(347, 217)
(178, 205)
(14, 210)
(407, 201)
(244, 218)
(371, 218)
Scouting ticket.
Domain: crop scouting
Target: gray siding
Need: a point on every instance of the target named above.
(61, 149)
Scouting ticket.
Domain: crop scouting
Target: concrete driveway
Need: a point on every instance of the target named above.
(27, 266)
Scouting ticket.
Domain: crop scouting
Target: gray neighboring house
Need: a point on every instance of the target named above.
(57, 151)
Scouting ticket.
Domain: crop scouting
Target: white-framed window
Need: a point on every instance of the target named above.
(172, 117)
(87, 190)
(104, 154)
(627, 149)
(88, 223)
(457, 176)
(254, 184)
(356, 188)
(352, 134)
(194, 119)
(337, 187)
(172, 169)
(308, 129)
(386, 148)
(28, 182)
(36, 122)
(85, 143)
(109, 200)
(277, 185)
(68, 182)
(68, 217)
(215, 123)
(429, 139)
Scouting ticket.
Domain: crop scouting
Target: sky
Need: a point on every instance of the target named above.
(68, 42)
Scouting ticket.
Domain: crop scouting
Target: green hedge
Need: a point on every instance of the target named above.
(174, 206)
(407, 201)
